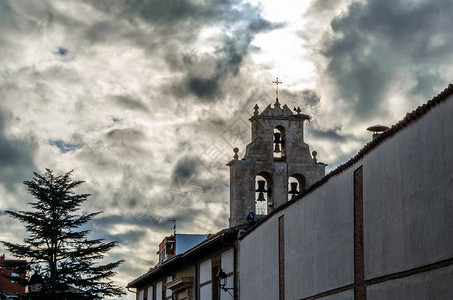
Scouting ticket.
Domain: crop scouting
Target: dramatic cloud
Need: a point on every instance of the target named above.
(377, 46)
(15, 159)
(146, 99)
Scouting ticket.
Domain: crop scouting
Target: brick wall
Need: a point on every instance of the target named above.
(281, 257)
(359, 268)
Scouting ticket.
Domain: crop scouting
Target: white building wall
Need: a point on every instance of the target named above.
(319, 240)
(346, 295)
(436, 284)
(408, 196)
(258, 265)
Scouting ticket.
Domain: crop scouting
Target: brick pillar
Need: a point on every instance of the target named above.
(281, 258)
(359, 261)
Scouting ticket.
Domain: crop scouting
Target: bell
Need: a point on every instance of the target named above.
(277, 137)
(277, 142)
(261, 184)
(293, 190)
(261, 197)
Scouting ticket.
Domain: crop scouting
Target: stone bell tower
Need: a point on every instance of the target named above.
(277, 164)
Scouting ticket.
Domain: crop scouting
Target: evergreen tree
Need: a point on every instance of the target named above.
(66, 257)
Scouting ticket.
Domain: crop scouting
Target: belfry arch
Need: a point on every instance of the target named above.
(263, 193)
(279, 138)
(296, 185)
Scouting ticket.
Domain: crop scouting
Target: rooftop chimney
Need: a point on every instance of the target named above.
(377, 130)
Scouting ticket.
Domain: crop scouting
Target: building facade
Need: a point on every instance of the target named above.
(9, 269)
(378, 227)
(194, 274)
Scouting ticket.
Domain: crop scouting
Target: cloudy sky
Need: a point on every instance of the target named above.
(139, 96)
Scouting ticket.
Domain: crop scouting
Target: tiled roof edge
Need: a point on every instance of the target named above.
(415, 115)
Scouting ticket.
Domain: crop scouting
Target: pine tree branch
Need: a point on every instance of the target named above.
(67, 258)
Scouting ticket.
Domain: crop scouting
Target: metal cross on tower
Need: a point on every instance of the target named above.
(276, 83)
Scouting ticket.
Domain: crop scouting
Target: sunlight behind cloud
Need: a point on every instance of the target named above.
(282, 51)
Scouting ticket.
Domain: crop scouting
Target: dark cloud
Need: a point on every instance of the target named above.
(162, 10)
(140, 266)
(102, 224)
(186, 167)
(257, 96)
(218, 122)
(184, 145)
(310, 97)
(130, 237)
(119, 32)
(142, 220)
(205, 73)
(306, 97)
(16, 159)
(333, 135)
(190, 181)
(341, 159)
(426, 81)
(221, 220)
(130, 102)
(129, 193)
(204, 88)
(318, 7)
(126, 135)
(5, 9)
(259, 25)
(175, 29)
(373, 42)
